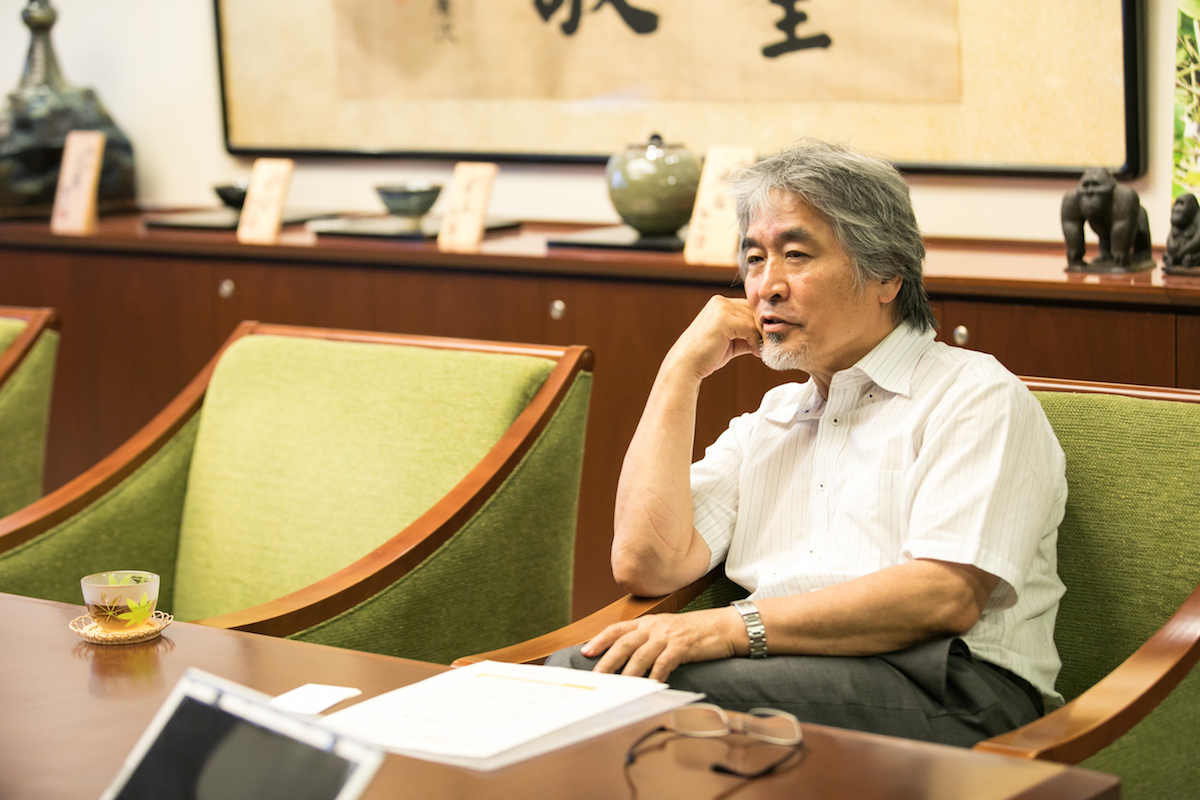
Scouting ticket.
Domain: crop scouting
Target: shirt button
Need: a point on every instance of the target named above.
(836, 420)
(821, 486)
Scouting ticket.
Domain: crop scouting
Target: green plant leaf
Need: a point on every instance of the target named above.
(1190, 7)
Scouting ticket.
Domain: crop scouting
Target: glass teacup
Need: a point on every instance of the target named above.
(121, 600)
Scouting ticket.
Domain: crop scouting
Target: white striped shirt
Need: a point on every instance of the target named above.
(921, 450)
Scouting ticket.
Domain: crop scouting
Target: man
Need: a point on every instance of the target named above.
(894, 517)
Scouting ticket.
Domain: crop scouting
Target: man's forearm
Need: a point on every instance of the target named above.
(655, 548)
(880, 612)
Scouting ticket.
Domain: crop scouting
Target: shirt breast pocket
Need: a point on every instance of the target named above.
(870, 523)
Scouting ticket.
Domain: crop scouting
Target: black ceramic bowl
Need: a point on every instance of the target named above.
(233, 194)
(409, 199)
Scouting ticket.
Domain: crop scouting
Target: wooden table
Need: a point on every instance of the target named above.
(71, 711)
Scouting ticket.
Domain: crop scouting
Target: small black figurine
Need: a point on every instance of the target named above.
(1183, 245)
(1116, 215)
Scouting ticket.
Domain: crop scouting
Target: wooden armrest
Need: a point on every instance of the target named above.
(537, 650)
(37, 320)
(1096, 718)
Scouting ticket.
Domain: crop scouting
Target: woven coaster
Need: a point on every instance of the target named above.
(86, 627)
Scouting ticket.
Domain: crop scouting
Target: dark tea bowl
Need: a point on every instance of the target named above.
(233, 194)
(412, 199)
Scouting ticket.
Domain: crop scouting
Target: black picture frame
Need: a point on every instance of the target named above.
(1134, 114)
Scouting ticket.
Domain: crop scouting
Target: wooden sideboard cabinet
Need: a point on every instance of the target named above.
(144, 309)
(1066, 341)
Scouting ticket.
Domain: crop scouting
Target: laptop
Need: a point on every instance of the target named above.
(215, 740)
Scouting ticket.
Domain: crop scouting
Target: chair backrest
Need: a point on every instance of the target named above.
(311, 453)
(28, 348)
(1129, 543)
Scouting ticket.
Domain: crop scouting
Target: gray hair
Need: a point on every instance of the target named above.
(867, 203)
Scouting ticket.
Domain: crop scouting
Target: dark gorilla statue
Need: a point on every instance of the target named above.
(1183, 245)
(1115, 214)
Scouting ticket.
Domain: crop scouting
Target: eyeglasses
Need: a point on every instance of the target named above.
(704, 720)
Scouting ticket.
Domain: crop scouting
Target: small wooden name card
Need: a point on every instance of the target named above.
(713, 231)
(74, 211)
(262, 213)
(466, 207)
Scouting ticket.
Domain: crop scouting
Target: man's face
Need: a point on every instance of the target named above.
(800, 286)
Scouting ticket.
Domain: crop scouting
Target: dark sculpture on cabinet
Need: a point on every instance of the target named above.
(1182, 256)
(34, 124)
(1116, 215)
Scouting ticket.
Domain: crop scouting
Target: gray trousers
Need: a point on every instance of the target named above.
(934, 691)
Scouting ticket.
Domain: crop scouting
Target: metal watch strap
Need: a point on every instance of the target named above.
(754, 627)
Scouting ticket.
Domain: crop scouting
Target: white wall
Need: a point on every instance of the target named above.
(154, 65)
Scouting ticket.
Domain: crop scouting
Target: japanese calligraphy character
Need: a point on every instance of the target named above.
(792, 17)
(639, 20)
(446, 24)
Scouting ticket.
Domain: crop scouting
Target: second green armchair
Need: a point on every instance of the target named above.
(28, 350)
(404, 495)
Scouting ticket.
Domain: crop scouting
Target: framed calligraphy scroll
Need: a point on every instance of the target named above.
(966, 86)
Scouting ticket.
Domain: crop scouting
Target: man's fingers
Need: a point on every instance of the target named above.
(645, 657)
(620, 651)
(751, 345)
(664, 665)
(604, 639)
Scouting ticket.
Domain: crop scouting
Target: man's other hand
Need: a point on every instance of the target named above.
(658, 643)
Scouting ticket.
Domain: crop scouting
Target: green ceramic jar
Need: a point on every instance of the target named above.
(653, 186)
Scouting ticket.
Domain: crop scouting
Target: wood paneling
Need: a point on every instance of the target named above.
(135, 330)
(1187, 351)
(1066, 342)
(317, 295)
(469, 305)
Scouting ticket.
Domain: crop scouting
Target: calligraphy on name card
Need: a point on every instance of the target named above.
(462, 224)
(262, 213)
(712, 237)
(74, 212)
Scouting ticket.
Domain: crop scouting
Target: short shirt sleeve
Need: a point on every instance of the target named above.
(987, 486)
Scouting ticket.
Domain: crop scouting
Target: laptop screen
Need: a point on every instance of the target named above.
(215, 740)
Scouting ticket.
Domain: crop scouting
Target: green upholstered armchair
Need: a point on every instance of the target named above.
(1128, 628)
(28, 347)
(405, 495)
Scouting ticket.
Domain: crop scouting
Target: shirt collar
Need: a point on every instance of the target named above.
(891, 363)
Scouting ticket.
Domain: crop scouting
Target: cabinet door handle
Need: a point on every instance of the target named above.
(961, 335)
(558, 309)
(225, 289)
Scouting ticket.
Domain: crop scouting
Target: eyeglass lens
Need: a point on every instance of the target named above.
(704, 719)
(700, 719)
(771, 726)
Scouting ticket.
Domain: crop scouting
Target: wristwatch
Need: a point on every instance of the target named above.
(754, 627)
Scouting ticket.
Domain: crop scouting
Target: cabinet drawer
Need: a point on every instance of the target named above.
(1066, 342)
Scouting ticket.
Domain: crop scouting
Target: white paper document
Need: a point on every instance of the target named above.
(491, 714)
(313, 698)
